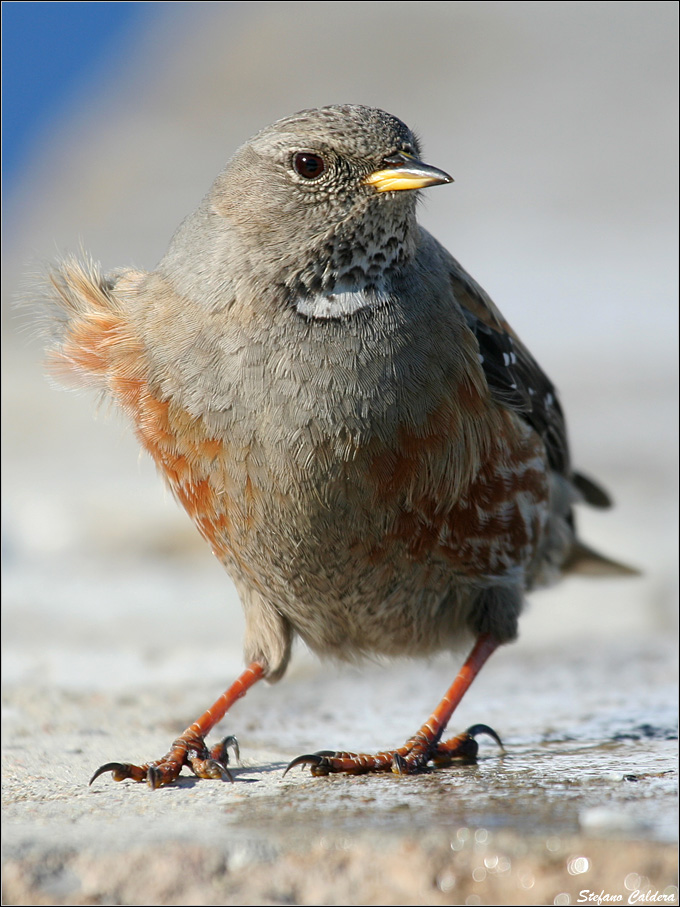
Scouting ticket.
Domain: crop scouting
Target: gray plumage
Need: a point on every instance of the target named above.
(375, 457)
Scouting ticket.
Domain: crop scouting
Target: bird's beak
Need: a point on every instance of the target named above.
(403, 171)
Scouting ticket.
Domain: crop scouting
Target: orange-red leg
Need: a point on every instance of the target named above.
(424, 746)
(190, 748)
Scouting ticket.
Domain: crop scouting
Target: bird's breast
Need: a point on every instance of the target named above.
(340, 448)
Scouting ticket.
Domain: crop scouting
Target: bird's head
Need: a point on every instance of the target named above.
(327, 196)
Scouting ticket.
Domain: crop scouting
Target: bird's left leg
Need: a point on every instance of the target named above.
(425, 745)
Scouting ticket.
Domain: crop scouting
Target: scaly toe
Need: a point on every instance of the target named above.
(119, 770)
(210, 768)
(318, 762)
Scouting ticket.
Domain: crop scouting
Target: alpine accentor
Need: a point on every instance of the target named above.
(369, 449)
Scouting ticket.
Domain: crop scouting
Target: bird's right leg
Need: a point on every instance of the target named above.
(190, 747)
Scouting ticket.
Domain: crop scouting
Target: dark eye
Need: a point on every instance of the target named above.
(308, 165)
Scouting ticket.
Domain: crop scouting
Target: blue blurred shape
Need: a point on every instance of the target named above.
(50, 50)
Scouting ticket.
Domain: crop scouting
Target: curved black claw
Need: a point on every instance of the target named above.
(220, 751)
(399, 765)
(120, 771)
(485, 729)
(316, 760)
(154, 778)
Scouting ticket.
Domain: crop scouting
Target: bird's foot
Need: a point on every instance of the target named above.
(409, 759)
(190, 747)
(186, 750)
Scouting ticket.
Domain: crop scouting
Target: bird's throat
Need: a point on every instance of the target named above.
(339, 304)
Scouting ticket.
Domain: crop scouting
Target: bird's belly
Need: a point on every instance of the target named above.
(329, 571)
(321, 548)
(375, 545)
(354, 570)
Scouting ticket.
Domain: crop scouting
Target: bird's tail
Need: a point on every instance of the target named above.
(588, 562)
(581, 558)
(91, 344)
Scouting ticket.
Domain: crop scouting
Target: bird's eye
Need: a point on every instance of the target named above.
(308, 165)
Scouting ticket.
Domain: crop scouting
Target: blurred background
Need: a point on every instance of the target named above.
(558, 122)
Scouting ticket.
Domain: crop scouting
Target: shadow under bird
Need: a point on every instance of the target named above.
(369, 449)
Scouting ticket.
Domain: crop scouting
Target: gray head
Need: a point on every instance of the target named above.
(315, 202)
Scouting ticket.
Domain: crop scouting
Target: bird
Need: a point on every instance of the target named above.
(365, 443)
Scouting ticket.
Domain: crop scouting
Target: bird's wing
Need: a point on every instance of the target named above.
(515, 379)
(518, 382)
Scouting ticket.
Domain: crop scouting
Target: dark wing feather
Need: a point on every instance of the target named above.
(514, 377)
(517, 382)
